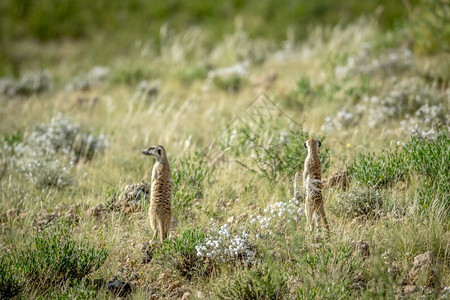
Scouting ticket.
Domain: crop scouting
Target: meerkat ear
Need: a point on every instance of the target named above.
(159, 151)
(304, 144)
(320, 144)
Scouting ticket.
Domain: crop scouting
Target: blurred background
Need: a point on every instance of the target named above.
(27, 24)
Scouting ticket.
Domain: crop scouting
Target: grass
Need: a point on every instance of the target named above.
(234, 152)
(51, 260)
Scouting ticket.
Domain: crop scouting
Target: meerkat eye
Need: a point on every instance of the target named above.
(320, 144)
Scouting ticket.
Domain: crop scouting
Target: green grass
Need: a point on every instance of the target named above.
(10, 283)
(180, 255)
(258, 282)
(189, 176)
(420, 158)
(49, 261)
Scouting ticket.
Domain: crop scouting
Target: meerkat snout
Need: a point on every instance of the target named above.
(153, 151)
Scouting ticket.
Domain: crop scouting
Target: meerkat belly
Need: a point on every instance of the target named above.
(160, 195)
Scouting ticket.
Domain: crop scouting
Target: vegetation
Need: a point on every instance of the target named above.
(51, 260)
(232, 90)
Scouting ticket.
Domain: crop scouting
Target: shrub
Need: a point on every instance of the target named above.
(191, 73)
(429, 26)
(278, 214)
(39, 18)
(180, 254)
(61, 136)
(230, 78)
(54, 258)
(274, 158)
(130, 74)
(411, 99)
(189, 176)
(87, 80)
(30, 83)
(388, 62)
(44, 172)
(47, 154)
(259, 282)
(222, 245)
(379, 171)
(360, 201)
(10, 282)
(232, 83)
(429, 157)
(426, 157)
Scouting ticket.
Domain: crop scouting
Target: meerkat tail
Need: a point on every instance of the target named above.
(161, 230)
(309, 211)
(323, 217)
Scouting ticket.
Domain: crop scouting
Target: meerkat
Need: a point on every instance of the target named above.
(312, 185)
(160, 211)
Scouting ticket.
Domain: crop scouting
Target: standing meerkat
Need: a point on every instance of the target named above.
(160, 211)
(312, 185)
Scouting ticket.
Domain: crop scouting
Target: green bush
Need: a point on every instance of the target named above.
(258, 282)
(232, 83)
(429, 26)
(274, 158)
(427, 158)
(180, 254)
(54, 258)
(431, 160)
(430, 157)
(191, 73)
(379, 171)
(131, 74)
(11, 283)
(189, 176)
(360, 201)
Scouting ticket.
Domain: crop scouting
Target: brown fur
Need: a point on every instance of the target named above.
(312, 185)
(160, 211)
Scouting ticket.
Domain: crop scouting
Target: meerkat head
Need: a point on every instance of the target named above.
(312, 143)
(157, 151)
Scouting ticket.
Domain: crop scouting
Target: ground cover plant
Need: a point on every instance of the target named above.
(232, 105)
